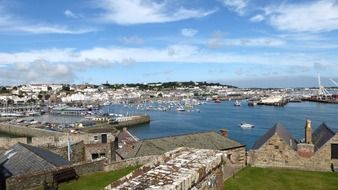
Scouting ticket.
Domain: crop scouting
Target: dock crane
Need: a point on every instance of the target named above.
(322, 92)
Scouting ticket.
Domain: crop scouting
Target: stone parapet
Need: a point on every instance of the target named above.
(182, 168)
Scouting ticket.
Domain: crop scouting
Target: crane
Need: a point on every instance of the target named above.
(322, 91)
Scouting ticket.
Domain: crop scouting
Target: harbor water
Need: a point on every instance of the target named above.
(215, 116)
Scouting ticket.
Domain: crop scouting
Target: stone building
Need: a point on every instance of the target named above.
(21, 159)
(201, 140)
(277, 148)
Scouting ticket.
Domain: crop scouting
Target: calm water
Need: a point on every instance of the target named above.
(224, 115)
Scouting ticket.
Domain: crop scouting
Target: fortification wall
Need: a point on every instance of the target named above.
(182, 168)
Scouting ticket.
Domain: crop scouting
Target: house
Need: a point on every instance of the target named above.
(277, 148)
(200, 140)
(22, 159)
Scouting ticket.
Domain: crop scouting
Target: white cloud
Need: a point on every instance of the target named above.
(236, 5)
(145, 11)
(49, 29)
(11, 23)
(65, 65)
(257, 18)
(39, 71)
(180, 53)
(255, 42)
(69, 13)
(315, 16)
(189, 32)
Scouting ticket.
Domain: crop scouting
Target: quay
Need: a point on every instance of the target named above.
(124, 122)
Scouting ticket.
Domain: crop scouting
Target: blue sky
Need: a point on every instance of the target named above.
(249, 43)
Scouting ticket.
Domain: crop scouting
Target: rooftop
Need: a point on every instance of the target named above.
(201, 140)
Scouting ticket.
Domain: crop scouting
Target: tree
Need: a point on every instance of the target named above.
(65, 88)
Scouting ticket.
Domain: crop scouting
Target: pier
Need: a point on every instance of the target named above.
(125, 122)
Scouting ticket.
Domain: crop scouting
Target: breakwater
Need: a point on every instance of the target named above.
(130, 122)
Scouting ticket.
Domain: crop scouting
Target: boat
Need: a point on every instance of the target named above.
(180, 109)
(218, 101)
(245, 125)
(237, 103)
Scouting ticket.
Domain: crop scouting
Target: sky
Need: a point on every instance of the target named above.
(247, 43)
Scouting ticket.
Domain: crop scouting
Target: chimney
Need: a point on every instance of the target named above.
(113, 147)
(224, 133)
(308, 132)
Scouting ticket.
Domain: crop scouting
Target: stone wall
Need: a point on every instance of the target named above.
(99, 149)
(236, 155)
(129, 162)
(77, 152)
(276, 153)
(18, 130)
(182, 168)
(56, 141)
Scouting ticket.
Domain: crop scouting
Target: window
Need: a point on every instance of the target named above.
(104, 138)
(102, 155)
(95, 138)
(334, 151)
(29, 140)
(95, 156)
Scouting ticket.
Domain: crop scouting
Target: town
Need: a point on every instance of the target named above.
(78, 136)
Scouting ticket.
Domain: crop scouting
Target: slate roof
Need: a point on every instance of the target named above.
(321, 135)
(201, 140)
(281, 132)
(25, 159)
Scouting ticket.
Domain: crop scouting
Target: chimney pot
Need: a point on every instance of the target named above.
(224, 133)
(308, 132)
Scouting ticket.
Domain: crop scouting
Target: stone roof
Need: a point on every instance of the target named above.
(201, 140)
(22, 159)
(281, 131)
(321, 135)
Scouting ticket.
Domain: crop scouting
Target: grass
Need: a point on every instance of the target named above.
(281, 179)
(97, 180)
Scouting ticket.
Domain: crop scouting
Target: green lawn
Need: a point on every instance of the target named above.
(97, 180)
(281, 179)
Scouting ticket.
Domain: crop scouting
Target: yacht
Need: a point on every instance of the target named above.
(245, 125)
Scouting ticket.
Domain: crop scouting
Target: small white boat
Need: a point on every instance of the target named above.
(180, 109)
(245, 125)
(237, 103)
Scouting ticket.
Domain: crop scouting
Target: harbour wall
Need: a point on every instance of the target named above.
(133, 121)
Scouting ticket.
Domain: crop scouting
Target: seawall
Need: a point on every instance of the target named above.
(133, 121)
